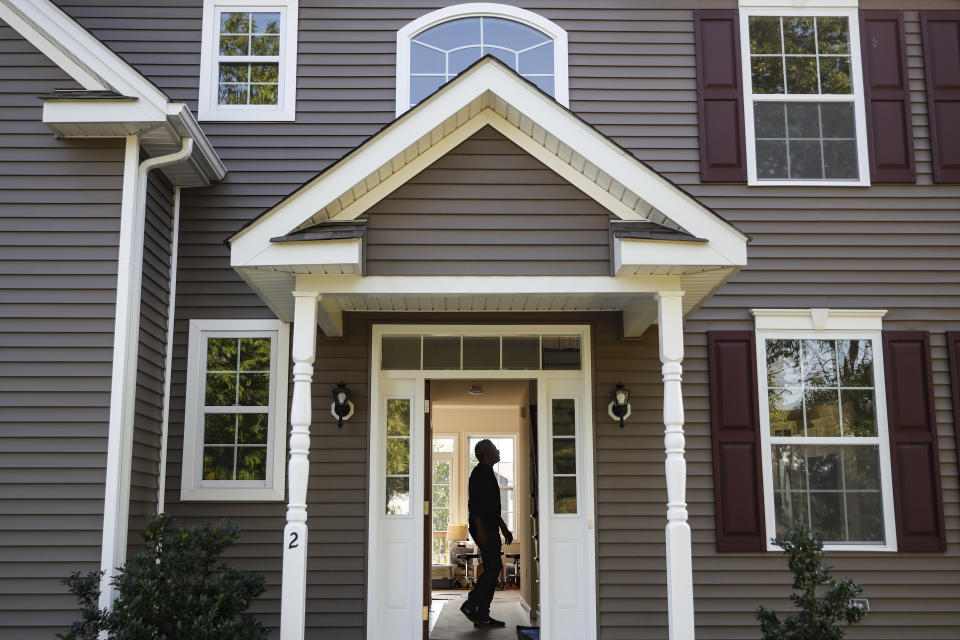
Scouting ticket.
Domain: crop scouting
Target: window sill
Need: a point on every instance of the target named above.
(839, 548)
(232, 494)
(807, 183)
(247, 115)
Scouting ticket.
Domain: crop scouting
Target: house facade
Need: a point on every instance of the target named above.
(745, 213)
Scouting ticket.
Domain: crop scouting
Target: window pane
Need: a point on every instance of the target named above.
(823, 468)
(803, 120)
(819, 363)
(765, 34)
(790, 508)
(789, 468)
(264, 73)
(786, 412)
(801, 74)
(221, 354)
(251, 463)
(805, 160)
(398, 456)
(441, 352)
(768, 118)
(837, 119)
(564, 494)
(423, 59)
(254, 389)
(233, 94)
(510, 34)
(506, 451)
(823, 413)
(400, 352)
(835, 75)
(253, 428)
(454, 33)
(856, 362)
(507, 56)
(521, 353)
(255, 354)
(265, 22)
(398, 417)
(504, 472)
(859, 412)
(218, 463)
(767, 74)
(861, 467)
(234, 22)
(798, 35)
(544, 83)
(442, 445)
(564, 417)
(221, 390)
(783, 363)
(441, 498)
(772, 159)
(539, 60)
(422, 87)
(564, 456)
(833, 35)
(864, 517)
(481, 353)
(826, 515)
(561, 352)
(840, 159)
(263, 94)
(398, 496)
(462, 58)
(234, 45)
(234, 72)
(219, 428)
(265, 45)
(441, 473)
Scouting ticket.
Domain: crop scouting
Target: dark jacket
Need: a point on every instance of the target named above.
(484, 498)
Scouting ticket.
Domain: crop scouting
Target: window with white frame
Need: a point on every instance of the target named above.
(248, 60)
(433, 49)
(234, 424)
(504, 471)
(804, 101)
(824, 429)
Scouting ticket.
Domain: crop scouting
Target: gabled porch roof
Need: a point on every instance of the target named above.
(695, 250)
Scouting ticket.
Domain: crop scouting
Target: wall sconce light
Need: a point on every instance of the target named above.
(619, 408)
(341, 408)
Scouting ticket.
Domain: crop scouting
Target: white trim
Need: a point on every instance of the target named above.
(782, 8)
(800, 4)
(192, 487)
(286, 108)
(818, 319)
(168, 356)
(585, 460)
(882, 439)
(509, 12)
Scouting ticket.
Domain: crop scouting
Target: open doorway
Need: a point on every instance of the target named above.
(461, 413)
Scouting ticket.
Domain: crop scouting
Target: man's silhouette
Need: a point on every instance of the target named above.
(485, 525)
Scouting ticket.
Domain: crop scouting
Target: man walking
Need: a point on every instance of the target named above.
(485, 525)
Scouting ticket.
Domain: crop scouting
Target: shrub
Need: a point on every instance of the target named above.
(175, 589)
(818, 617)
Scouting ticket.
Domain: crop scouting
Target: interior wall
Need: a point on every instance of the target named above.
(463, 421)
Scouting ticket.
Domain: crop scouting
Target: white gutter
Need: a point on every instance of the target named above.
(168, 360)
(126, 336)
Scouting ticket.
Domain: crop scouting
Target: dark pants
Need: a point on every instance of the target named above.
(482, 594)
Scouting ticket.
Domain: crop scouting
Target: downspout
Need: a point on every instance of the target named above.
(126, 337)
(168, 360)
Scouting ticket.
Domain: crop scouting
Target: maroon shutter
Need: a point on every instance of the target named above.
(941, 56)
(953, 349)
(889, 127)
(913, 441)
(735, 423)
(720, 96)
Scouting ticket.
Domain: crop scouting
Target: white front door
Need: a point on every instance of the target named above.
(565, 490)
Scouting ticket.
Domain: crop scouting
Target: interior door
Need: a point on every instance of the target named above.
(427, 511)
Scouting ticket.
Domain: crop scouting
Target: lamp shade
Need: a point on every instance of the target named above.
(456, 533)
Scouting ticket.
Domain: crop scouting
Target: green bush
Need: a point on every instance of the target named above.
(176, 589)
(818, 617)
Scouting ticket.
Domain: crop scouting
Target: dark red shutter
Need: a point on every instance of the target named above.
(941, 57)
(735, 423)
(889, 127)
(720, 96)
(913, 441)
(953, 349)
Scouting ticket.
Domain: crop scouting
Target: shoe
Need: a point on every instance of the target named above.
(468, 610)
(489, 622)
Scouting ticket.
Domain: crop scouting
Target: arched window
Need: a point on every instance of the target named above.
(433, 49)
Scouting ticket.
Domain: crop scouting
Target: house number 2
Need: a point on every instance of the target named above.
(294, 536)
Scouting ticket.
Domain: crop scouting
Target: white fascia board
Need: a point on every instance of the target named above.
(818, 319)
(484, 285)
(345, 255)
(87, 60)
(642, 252)
(124, 113)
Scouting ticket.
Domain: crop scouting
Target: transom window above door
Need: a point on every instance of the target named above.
(481, 352)
(435, 48)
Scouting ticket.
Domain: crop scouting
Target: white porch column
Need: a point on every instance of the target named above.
(293, 593)
(679, 552)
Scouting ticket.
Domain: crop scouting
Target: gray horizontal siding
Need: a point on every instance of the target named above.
(633, 76)
(490, 209)
(59, 223)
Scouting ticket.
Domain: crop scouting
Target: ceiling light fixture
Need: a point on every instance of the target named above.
(476, 390)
